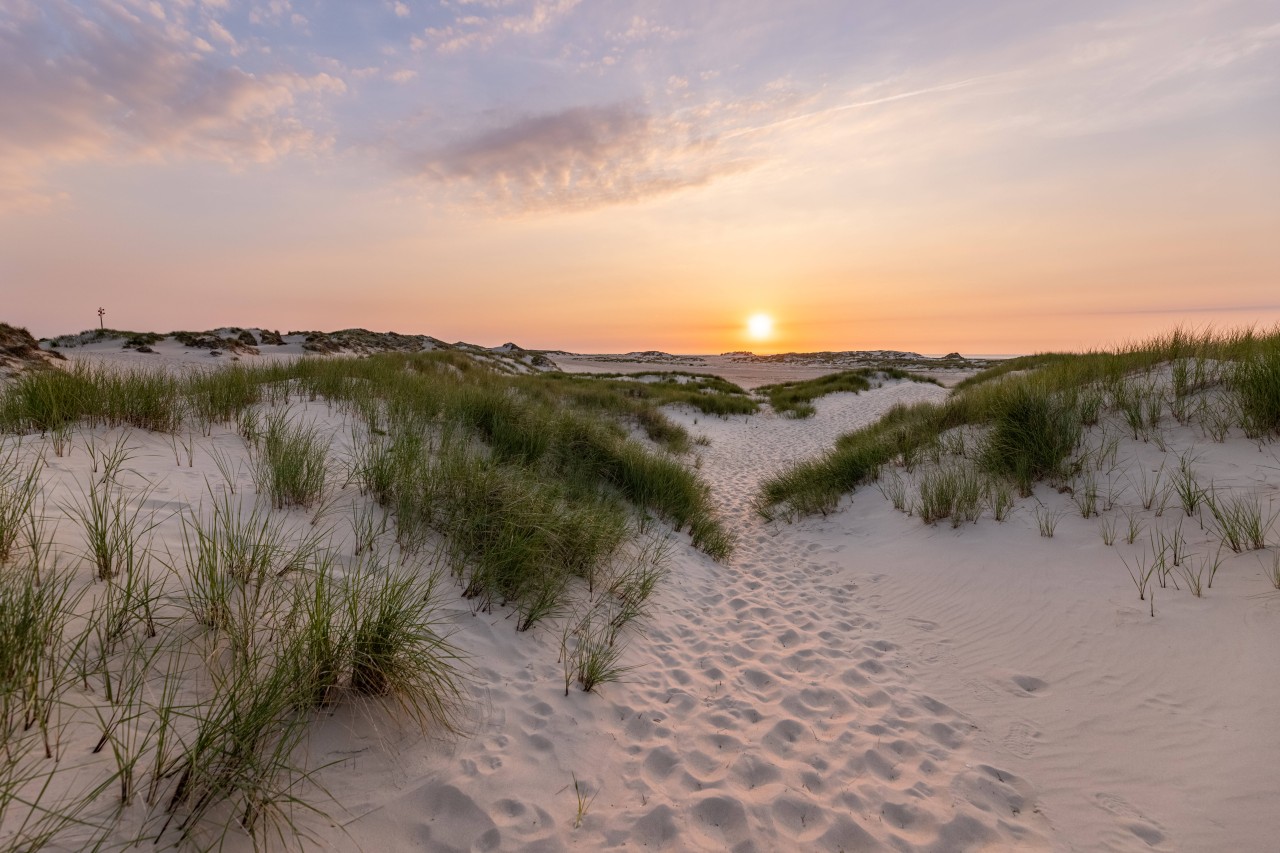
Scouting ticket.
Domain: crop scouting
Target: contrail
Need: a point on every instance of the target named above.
(857, 105)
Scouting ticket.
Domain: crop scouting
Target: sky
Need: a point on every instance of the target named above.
(981, 176)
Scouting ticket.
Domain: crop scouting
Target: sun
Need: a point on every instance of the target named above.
(760, 326)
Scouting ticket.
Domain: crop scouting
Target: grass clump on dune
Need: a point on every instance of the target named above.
(528, 424)
(291, 463)
(516, 540)
(34, 618)
(237, 764)
(816, 485)
(1033, 430)
(711, 395)
(397, 647)
(291, 637)
(146, 398)
(44, 401)
(219, 396)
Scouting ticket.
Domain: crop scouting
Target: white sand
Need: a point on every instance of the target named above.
(858, 681)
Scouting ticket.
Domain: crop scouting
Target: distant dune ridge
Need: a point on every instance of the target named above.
(235, 338)
(235, 342)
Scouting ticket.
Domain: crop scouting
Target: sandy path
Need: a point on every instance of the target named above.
(769, 712)
(834, 743)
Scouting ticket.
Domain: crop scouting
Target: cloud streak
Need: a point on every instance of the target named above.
(855, 105)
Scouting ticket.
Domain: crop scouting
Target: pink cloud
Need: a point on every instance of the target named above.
(109, 84)
(577, 158)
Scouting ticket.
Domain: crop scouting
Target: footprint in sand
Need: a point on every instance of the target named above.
(1021, 738)
(980, 691)
(936, 653)
(1131, 818)
(1030, 685)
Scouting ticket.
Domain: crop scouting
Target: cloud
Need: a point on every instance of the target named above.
(480, 24)
(640, 29)
(1143, 65)
(107, 84)
(223, 35)
(270, 12)
(577, 158)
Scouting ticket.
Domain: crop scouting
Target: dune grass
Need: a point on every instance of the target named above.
(288, 636)
(397, 646)
(146, 398)
(711, 395)
(114, 522)
(1255, 382)
(1240, 521)
(638, 399)
(19, 488)
(1032, 431)
(953, 491)
(540, 494)
(1031, 413)
(795, 399)
(238, 756)
(34, 625)
(291, 462)
(523, 419)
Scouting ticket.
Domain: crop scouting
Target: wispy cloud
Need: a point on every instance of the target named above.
(480, 24)
(830, 111)
(575, 159)
(112, 81)
(1142, 65)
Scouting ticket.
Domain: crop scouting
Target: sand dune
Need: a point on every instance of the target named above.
(769, 711)
(855, 681)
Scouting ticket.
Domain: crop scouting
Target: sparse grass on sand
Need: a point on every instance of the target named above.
(795, 399)
(200, 682)
(1031, 413)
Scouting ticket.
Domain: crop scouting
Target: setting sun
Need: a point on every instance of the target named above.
(760, 326)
